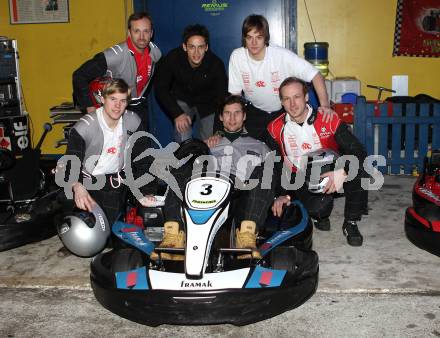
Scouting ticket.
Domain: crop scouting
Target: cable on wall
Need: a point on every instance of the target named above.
(125, 14)
(313, 32)
(310, 21)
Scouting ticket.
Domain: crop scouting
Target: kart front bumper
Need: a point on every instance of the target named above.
(200, 307)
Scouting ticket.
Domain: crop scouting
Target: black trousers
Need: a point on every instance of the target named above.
(141, 109)
(320, 206)
(111, 200)
(257, 121)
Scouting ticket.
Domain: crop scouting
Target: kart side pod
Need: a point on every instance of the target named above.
(206, 208)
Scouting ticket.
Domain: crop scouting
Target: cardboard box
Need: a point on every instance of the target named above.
(341, 86)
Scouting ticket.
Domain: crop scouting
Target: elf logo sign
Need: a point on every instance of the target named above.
(20, 130)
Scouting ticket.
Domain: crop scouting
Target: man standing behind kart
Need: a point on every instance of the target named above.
(133, 61)
(99, 140)
(301, 130)
(257, 69)
(191, 84)
(234, 144)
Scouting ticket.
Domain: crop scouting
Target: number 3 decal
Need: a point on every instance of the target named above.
(208, 189)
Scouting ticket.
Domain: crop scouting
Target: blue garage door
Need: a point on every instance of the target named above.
(224, 20)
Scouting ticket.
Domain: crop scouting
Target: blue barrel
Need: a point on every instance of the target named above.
(317, 54)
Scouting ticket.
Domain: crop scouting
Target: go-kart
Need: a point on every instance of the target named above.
(212, 285)
(28, 199)
(422, 220)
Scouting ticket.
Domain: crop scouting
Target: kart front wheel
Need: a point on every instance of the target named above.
(290, 258)
(126, 259)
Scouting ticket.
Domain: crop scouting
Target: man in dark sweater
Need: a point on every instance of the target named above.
(191, 83)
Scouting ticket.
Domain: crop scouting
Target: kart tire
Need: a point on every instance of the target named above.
(39, 226)
(304, 240)
(14, 234)
(126, 259)
(291, 259)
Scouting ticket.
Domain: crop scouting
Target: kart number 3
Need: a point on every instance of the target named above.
(207, 189)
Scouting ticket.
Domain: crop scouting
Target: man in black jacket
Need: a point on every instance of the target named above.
(191, 83)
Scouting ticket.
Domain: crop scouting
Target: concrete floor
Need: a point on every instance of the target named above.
(387, 287)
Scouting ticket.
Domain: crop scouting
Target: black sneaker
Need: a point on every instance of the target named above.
(351, 231)
(322, 224)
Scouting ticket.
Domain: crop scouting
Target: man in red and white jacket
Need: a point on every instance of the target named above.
(301, 130)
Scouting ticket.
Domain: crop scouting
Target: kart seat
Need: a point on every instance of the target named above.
(23, 179)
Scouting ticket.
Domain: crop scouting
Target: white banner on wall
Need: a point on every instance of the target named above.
(38, 11)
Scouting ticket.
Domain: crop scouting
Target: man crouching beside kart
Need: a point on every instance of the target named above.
(99, 141)
(231, 144)
(301, 131)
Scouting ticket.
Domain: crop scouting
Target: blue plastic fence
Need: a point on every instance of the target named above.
(402, 133)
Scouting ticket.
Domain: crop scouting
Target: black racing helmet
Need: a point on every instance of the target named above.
(85, 233)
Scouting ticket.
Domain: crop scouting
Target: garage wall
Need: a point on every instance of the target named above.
(50, 52)
(360, 34)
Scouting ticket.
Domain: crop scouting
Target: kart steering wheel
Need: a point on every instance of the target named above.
(7, 159)
(192, 146)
